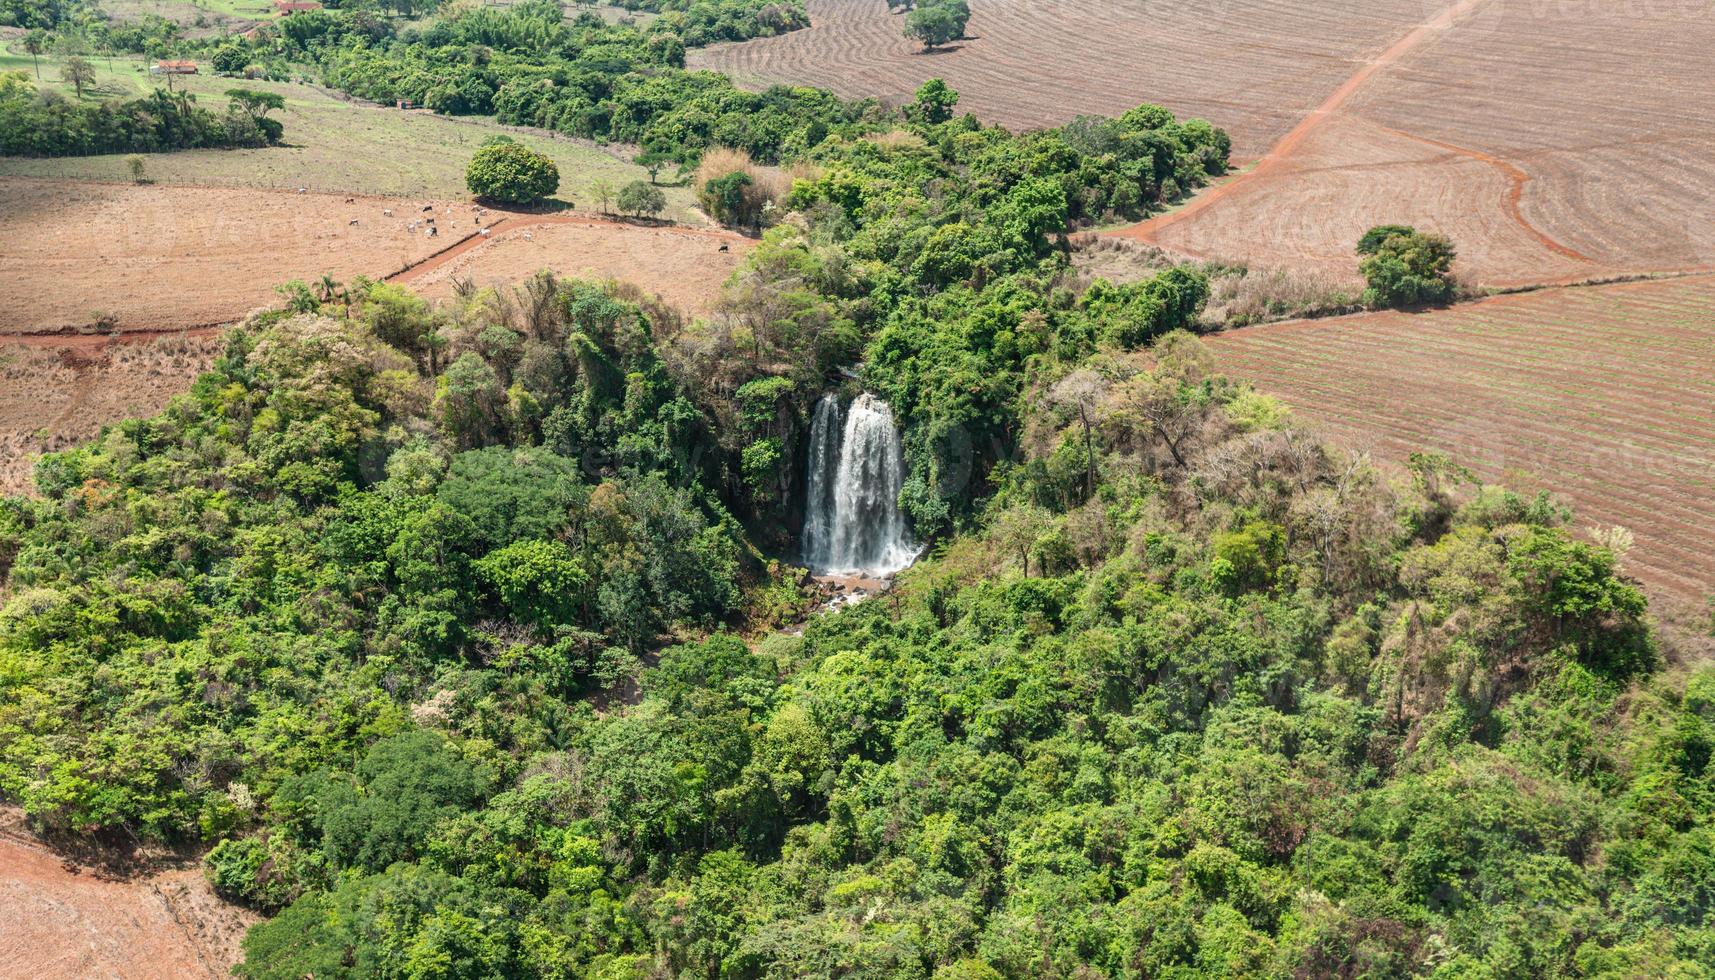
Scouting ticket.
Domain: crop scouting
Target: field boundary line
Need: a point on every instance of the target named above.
(1498, 296)
(496, 231)
(1517, 178)
(1288, 144)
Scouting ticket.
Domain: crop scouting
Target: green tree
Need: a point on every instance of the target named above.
(726, 200)
(255, 106)
(1405, 267)
(136, 165)
(230, 58)
(601, 191)
(934, 103)
(78, 72)
(509, 172)
(937, 23)
(35, 42)
(541, 583)
(653, 161)
(641, 199)
(405, 786)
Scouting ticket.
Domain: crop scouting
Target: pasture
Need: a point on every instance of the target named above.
(333, 144)
(1598, 394)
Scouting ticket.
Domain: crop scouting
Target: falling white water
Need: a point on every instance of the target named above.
(852, 525)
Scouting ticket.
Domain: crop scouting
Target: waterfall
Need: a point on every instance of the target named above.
(852, 524)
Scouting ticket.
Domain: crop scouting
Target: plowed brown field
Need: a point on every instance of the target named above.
(1253, 67)
(1551, 141)
(1600, 394)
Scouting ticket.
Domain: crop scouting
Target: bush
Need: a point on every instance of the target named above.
(1405, 267)
(642, 200)
(509, 172)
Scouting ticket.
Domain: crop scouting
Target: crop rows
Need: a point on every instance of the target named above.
(1602, 395)
(1253, 67)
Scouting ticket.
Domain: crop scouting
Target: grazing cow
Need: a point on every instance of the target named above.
(352, 221)
(433, 231)
(722, 248)
(387, 211)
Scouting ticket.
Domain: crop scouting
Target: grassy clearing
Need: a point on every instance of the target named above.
(191, 13)
(333, 145)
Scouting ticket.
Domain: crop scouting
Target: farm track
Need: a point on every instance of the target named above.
(1289, 143)
(1517, 179)
(1600, 394)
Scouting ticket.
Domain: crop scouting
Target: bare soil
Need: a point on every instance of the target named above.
(65, 920)
(1600, 395)
(159, 257)
(1253, 67)
(1550, 141)
(685, 267)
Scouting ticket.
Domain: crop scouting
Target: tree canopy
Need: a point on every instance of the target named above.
(511, 173)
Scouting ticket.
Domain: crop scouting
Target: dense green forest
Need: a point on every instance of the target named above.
(469, 638)
(46, 124)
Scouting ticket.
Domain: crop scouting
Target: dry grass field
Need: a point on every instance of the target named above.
(1253, 67)
(684, 267)
(1599, 394)
(159, 256)
(58, 392)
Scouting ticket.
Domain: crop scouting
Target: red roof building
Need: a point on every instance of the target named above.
(176, 67)
(285, 7)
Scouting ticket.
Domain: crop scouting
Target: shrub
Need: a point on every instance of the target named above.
(642, 200)
(735, 191)
(509, 172)
(1405, 267)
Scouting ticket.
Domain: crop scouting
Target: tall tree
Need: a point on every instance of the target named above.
(79, 73)
(36, 42)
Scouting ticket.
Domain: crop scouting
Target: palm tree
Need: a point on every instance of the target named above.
(36, 42)
(327, 288)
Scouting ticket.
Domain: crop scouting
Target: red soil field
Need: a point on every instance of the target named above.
(683, 266)
(1600, 394)
(1252, 67)
(63, 921)
(1551, 141)
(167, 256)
